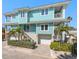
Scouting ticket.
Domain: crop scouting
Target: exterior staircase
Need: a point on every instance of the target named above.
(30, 36)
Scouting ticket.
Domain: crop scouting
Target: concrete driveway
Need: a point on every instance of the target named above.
(10, 52)
(41, 52)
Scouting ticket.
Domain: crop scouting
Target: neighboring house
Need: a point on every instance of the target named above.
(72, 36)
(39, 22)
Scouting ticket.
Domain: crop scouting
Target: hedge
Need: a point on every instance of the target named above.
(58, 46)
(22, 43)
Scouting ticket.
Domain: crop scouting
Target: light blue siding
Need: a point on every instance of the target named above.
(36, 15)
(18, 18)
(32, 28)
(22, 19)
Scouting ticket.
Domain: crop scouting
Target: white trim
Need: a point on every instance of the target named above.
(63, 12)
(52, 5)
(44, 27)
(11, 18)
(53, 28)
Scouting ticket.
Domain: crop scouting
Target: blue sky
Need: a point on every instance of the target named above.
(10, 5)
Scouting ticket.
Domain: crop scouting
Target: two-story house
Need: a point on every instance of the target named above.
(38, 22)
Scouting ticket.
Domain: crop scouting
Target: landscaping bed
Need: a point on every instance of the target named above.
(22, 43)
(63, 48)
(58, 46)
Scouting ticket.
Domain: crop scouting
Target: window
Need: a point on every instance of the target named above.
(8, 18)
(45, 11)
(22, 14)
(44, 27)
(42, 12)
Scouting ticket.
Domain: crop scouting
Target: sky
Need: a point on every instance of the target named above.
(10, 5)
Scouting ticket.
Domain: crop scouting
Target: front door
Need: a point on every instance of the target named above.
(24, 27)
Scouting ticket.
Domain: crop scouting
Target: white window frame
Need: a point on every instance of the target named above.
(45, 12)
(44, 27)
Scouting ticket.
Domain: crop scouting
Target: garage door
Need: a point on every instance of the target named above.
(44, 39)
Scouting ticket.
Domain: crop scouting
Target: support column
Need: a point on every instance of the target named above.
(11, 18)
(53, 28)
(53, 33)
(64, 13)
(63, 36)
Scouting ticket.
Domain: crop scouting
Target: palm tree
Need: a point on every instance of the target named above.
(69, 19)
(62, 28)
(12, 33)
(19, 33)
(16, 32)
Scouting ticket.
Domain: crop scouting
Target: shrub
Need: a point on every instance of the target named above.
(74, 49)
(22, 43)
(58, 46)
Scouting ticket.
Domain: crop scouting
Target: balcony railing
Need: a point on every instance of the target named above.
(8, 20)
(57, 15)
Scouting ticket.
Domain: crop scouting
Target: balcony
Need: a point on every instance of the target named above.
(58, 12)
(58, 15)
(8, 20)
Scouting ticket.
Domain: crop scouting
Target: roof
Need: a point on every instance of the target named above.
(16, 10)
(10, 13)
(65, 3)
(23, 9)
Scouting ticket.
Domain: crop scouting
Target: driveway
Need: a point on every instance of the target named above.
(10, 52)
(41, 52)
(13, 54)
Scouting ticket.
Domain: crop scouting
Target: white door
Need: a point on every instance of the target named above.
(45, 41)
